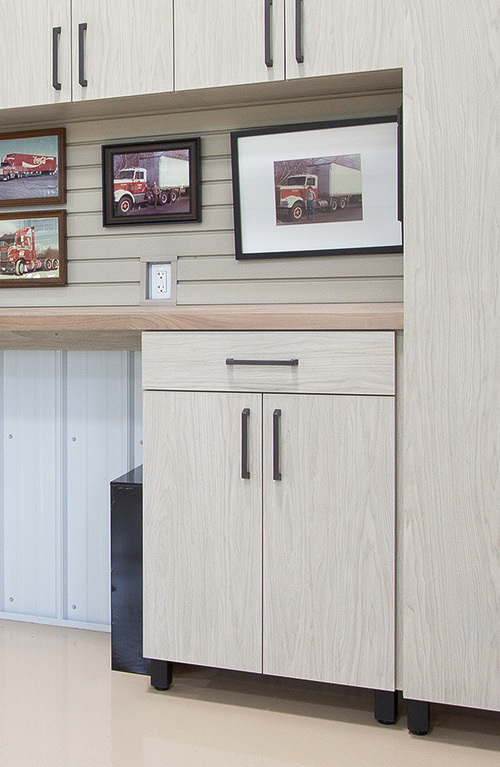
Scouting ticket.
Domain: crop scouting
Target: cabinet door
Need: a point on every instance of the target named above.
(223, 42)
(329, 539)
(340, 36)
(27, 71)
(125, 50)
(202, 530)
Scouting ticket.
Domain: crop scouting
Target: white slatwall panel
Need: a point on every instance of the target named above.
(71, 423)
(96, 449)
(103, 263)
(31, 481)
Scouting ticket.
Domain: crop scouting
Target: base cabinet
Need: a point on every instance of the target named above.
(269, 524)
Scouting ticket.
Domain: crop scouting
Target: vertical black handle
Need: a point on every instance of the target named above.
(276, 444)
(299, 36)
(245, 474)
(56, 33)
(82, 28)
(267, 32)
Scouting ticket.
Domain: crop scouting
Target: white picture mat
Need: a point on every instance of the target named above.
(377, 145)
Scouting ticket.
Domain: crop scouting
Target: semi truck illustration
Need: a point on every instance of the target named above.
(333, 186)
(18, 254)
(159, 184)
(17, 165)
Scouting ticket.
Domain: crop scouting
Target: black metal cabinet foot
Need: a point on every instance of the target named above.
(386, 706)
(161, 674)
(418, 717)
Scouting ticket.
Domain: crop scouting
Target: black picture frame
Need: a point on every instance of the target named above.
(153, 182)
(33, 168)
(275, 169)
(33, 249)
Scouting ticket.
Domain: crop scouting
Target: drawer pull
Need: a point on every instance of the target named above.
(56, 34)
(245, 474)
(267, 33)
(299, 37)
(276, 445)
(292, 363)
(82, 28)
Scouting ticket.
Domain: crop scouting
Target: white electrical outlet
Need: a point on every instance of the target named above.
(160, 281)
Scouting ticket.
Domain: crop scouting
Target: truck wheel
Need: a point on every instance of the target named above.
(296, 212)
(55, 263)
(48, 265)
(20, 267)
(343, 202)
(125, 205)
(173, 195)
(333, 204)
(164, 198)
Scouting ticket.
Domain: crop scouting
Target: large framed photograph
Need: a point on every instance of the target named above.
(33, 168)
(317, 189)
(151, 183)
(33, 249)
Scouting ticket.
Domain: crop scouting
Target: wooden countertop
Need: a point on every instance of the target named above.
(381, 316)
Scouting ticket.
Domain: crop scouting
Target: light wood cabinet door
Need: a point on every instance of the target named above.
(28, 71)
(452, 354)
(125, 49)
(202, 529)
(339, 36)
(329, 528)
(223, 42)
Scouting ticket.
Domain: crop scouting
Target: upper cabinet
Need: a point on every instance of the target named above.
(327, 37)
(223, 42)
(121, 49)
(38, 71)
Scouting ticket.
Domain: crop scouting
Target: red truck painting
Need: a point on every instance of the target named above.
(18, 254)
(22, 165)
(330, 184)
(135, 187)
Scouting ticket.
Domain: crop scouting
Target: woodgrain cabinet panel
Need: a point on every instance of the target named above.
(202, 530)
(27, 74)
(222, 42)
(452, 360)
(329, 530)
(338, 36)
(126, 48)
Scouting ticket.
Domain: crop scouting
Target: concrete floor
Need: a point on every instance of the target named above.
(60, 705)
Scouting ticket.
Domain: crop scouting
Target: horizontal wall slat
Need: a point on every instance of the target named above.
(151, 244)
(76, 295)
(290, 291)
(84, 224)
(103, 271)
(264, 269)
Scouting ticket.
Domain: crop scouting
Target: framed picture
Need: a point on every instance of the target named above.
(152, 183)
(33, 168)
(317, 189)
(33, 249)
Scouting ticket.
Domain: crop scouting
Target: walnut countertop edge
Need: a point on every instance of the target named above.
(375, 316)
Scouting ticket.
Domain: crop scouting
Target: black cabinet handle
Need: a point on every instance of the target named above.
(276, 444)
(82, 28)
(232, 361)
(245, 474)
(299, 37)
(56, 33)
(267, 32)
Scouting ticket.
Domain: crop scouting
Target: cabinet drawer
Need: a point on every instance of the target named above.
(333, 362)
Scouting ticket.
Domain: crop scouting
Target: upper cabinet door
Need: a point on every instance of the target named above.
(35, 56)
(328, 37)
(121, 49)
(223, 42)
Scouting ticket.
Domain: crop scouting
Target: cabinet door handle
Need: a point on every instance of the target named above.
(82, 28)
(276, 444)
(245, 474)
(232, 361)
(56, 34)
(299, 37)
(267, 32)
